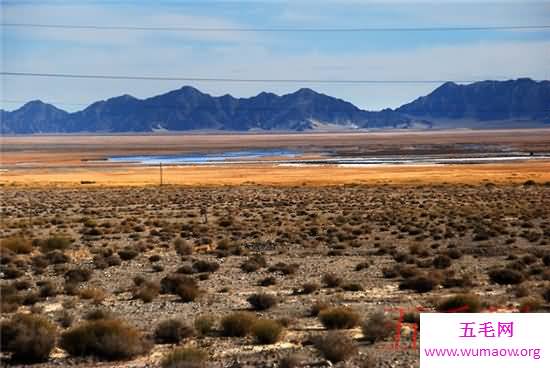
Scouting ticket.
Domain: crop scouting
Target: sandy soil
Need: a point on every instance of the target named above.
(538, 171)
(63, 160)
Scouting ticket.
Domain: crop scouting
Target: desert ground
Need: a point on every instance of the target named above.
(68, 160)
(261, 265)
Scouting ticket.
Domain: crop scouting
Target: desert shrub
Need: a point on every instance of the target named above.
(127, 253)
(290, 361)
(254, 263)
(505, 276)
(28, 337)
(205, 266)
(185, 358)
(462, 303)
(335, 347)
(47, 289)
(172, 331)
(185, 270)
(56, 242)
(65, 318)
(170, 283)
(284, 268)
(546, 294)
(154, 258)
(187, 292)
(146, 291)
(262, 301)
(420, 284)
(268, 281)
(267, 331)
(362, 266)
(530, 304)
(204, 325)
(352, 286)
(331, 280)
(339, 318)
(97, 295)
(317, 308)
(442, 262)
(9, 298)
(454, 253)
(107, 339)
(97, 314)
(78, 275)
(238, 324)
(546, 260)
(183, 247)
(16, 244)
(377, 327)
(309, 287)
(57, 257)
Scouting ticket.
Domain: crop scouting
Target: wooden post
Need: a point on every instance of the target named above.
(161, 179)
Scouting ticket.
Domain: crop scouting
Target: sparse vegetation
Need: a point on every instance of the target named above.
(29, 338)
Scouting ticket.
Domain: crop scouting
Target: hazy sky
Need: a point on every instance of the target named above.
(445, 55)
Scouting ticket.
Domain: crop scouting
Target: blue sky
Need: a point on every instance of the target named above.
(446, 55)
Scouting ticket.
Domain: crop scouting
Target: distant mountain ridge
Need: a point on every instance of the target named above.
(488, 100)
(188, 109)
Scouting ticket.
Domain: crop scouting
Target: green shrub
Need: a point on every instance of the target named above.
(238, 324)
(462, 303)
(107, 339)
(172, 331)
(262, 301)
(185, 358)
(339, 318)
(267, 331)
(336, 347)
(28, 337)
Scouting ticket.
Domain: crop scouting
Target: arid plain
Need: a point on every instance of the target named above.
(262, 264)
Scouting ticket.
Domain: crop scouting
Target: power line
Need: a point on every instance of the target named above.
(91, 27)
(232, 80)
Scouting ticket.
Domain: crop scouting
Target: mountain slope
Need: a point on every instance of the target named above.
(33, 117)
(189, 109)
(513, 103)
(485, 101)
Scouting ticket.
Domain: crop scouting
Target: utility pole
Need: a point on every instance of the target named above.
(160, 167)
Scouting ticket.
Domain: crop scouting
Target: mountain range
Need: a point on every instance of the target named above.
(516, 103)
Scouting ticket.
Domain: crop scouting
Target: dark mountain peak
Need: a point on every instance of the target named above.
(187, 108)
(305, 91)
(521, 98)
(188, 90)
(266, 94)
(122, 99)
(38, 105)
(446, 87)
